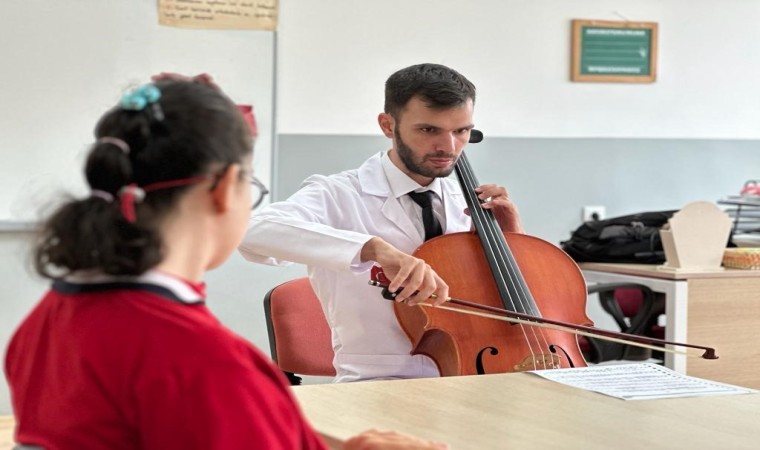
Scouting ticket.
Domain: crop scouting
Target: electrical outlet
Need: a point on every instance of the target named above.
(594, 213)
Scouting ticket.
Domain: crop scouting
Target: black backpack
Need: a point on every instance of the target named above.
(633, 238)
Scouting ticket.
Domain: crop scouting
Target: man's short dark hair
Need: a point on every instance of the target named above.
(438, 86)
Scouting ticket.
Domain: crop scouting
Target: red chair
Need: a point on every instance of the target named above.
(635, 309)
(299, 337)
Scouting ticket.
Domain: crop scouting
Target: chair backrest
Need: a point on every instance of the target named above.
(635, 308)
(299, 336)
(630, 300)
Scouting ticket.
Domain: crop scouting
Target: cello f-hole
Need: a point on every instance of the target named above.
(480, 370)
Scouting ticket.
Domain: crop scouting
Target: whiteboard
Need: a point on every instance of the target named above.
(66, 63)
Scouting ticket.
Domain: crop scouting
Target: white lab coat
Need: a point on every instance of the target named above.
(324, 225)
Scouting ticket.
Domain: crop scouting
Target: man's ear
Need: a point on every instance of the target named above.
(223, 194)
(387, 123)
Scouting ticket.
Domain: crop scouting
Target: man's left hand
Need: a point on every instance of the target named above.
(497, 200)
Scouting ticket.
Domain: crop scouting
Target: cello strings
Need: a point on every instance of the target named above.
(523, 294)
(507, 263)
(480, 217)
(510, 278)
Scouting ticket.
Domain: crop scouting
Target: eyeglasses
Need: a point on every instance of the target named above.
(258, 192)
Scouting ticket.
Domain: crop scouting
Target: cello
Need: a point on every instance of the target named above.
(519, 275)
(510, 271)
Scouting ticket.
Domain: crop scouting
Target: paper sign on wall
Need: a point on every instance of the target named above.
(219, 14)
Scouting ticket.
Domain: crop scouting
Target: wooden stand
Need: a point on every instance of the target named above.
(695, 238)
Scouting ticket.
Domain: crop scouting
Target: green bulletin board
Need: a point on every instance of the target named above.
(614, 51)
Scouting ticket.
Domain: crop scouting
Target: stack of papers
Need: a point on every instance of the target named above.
(639, 382)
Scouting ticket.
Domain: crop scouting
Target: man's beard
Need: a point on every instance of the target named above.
(407, 157)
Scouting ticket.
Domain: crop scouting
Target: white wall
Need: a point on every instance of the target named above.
(65, 63)
(335, 55)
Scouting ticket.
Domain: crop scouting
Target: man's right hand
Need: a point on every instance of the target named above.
(404, 270)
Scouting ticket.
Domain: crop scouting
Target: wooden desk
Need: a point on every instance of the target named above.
(521, 410)
(6, 432)
(716, 309)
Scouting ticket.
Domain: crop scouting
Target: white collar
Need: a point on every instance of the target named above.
(182, 290)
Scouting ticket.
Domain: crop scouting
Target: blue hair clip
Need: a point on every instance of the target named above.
(137, 99)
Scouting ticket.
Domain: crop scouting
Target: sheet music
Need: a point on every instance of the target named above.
(642, 381)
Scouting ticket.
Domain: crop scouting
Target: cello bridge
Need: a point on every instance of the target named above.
(538, 362)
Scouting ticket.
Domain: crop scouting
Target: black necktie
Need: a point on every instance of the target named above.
(431, 224)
